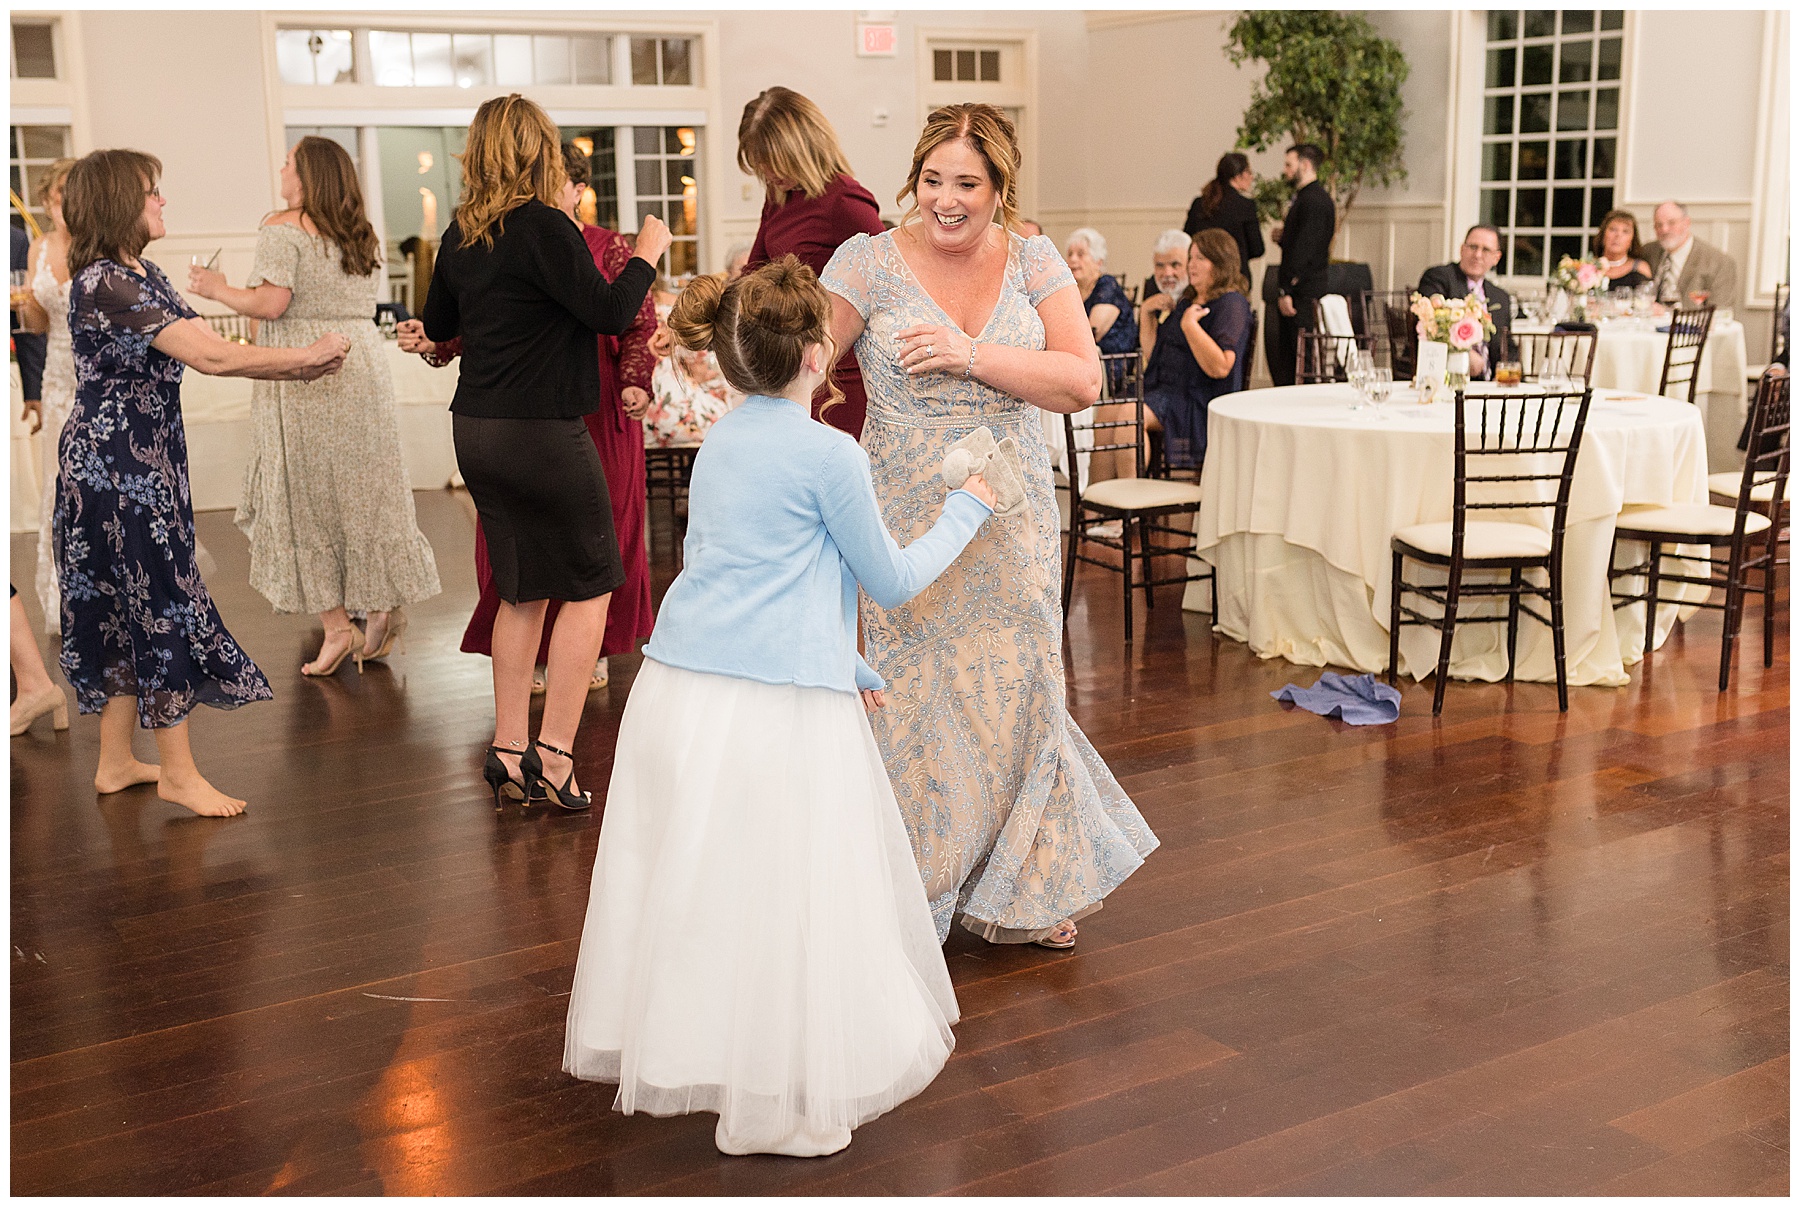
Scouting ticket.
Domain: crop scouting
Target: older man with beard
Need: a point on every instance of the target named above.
(1688, 271)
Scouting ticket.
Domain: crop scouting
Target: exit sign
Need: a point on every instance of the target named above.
(876, 41)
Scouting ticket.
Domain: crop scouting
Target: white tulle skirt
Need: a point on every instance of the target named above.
(757, 939)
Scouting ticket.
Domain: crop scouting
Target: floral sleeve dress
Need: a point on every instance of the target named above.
(137, 618)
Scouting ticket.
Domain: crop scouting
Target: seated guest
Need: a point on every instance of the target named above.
(1029, 227)
(1688, 271)
(1199, 353)
(1618, 252)
(1224, 204)
(1480, 252)
(688, 392)
(1108, 309)
(736, 257)
(1168, 265)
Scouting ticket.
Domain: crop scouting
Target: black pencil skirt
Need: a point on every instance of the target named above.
(540, 491)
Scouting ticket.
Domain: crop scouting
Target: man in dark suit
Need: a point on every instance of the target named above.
(28, 347)
(1480, 252)
(1305, 237)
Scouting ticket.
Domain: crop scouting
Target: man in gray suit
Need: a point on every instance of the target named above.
(1683, 266)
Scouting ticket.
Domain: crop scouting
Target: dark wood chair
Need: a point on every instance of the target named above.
(1515, 436)
(1387, 315)
(1729, 528)
(1544, 351)
(1688, 330)
(667, 473)
(1250, 348)
(1142, 506)
(1320, 358)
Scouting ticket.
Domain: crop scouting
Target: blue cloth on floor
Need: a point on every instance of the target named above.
(1355, 699)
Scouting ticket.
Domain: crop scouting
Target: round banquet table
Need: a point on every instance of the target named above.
(1629, 356)
(1302, 496)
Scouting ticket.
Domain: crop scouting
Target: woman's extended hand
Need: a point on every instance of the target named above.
(33, 413)
(412, 337)
(930, 346)
(653, 239)
(325, 355)
(636, 401)
(978, 486)
(205, 281)
(1190, 318)
(661, 342)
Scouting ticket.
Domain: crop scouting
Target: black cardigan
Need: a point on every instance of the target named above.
(528, 310)
(1236, 216)
(1306, 242)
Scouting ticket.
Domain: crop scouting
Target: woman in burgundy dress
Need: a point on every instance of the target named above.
(812, 206)
(626, 363)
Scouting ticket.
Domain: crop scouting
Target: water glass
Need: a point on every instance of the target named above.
(1380, 385)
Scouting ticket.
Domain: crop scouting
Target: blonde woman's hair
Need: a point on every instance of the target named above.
(784, 136)
(1221, 250)
(990, 134)
(758, 325)
(514, 155)
(54, 177)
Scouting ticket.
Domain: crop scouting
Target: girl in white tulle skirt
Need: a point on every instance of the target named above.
(757, 940)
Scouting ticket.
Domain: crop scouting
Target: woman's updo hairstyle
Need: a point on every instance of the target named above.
(758, 325)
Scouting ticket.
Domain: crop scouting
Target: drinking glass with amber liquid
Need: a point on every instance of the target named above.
(1508, 373)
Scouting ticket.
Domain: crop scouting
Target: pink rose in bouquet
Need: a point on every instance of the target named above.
(1586, 277)
(1465, 333)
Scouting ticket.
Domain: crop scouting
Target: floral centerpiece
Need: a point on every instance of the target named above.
(1582, 282)
(1460, 324)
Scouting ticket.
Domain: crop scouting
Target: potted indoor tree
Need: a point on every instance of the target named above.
(1329, 79)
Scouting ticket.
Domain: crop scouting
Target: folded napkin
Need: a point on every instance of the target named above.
(1354, 699)
(998, 461)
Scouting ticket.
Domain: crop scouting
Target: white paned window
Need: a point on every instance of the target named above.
(314, 56)
(666, 173)
(664, 61)
(32, 150)
(966, 65)
(419, 59)
(1550, 131)
(33, 50)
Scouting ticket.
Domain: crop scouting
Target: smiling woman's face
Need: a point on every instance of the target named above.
(956, 199)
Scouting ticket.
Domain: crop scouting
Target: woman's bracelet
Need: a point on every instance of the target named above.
(969, 371)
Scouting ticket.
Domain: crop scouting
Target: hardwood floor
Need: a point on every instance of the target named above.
(1511, 952)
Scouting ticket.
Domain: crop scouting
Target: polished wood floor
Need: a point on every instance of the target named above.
(1511, 952)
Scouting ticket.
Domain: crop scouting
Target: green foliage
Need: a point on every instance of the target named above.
(1272, 196)
(1331, 80)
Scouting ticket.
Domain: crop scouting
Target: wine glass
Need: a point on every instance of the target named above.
(1380, 385)
(1362, 363)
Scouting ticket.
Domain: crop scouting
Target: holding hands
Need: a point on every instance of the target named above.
(930, 346)
(324, 355)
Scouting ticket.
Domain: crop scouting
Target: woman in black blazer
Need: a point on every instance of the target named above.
(1222, 205)
(515, 281)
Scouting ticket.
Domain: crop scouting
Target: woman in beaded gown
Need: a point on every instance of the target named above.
(326, 502)
(1016, 823)
(46, 312)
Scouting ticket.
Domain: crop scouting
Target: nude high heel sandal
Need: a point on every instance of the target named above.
(27, 709)
(390, 640)
(353, 650)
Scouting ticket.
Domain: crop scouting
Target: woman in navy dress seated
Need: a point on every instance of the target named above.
(142, 640)
(1199, 352)
(1108, 309)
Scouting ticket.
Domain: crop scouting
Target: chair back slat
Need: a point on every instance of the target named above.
(1766, 456)
(1387, 315)
(1688, 329)
(1499, 428)
(1322, 357)
(1544, 352)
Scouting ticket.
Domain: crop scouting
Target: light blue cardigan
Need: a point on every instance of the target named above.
(782, 526)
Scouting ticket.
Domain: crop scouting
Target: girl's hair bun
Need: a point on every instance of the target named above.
(696, 312)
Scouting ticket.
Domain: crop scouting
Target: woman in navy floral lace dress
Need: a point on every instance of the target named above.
(141, 637)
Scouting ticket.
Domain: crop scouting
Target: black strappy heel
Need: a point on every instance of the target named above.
(532, 767)
(501, 782)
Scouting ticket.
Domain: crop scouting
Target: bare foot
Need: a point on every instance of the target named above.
(201, 797)
(117, 779)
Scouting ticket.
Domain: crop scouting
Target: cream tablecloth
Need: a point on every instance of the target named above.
(1302, 496)
(1629, 356)
(215, 412)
